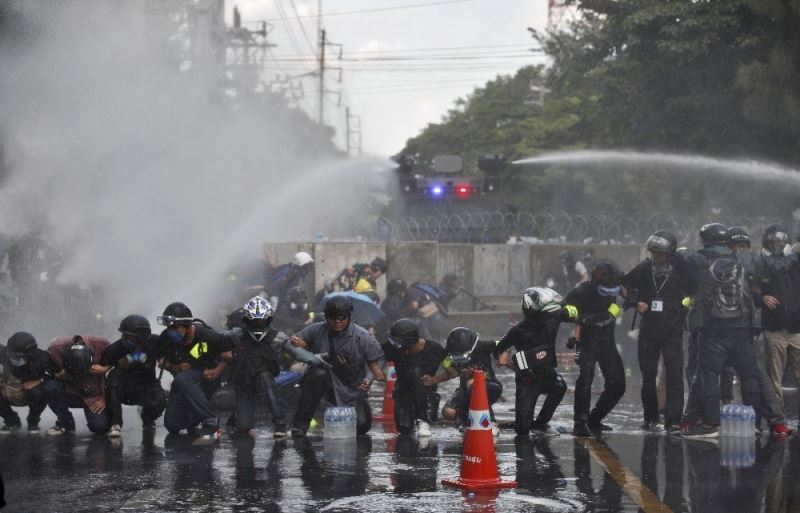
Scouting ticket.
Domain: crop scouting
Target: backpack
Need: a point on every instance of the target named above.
(436, 294)
(277, 278)
(725, 291)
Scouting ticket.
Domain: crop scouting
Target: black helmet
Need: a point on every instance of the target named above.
(176, 314)
(662, 241)
(379, 264)
(738, 235)
(136, 326)
(396, 285)
(19, 345)
(605, 273)
(566, 257)
(78, 359)
(461, 341)
(404, 333)
(713, 234)
(337, 307)
(774, 235)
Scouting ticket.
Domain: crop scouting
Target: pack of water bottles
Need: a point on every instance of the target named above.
(340, 422)
(737, 420)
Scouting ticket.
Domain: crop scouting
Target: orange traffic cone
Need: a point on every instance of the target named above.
(478, 465)
(387, 413)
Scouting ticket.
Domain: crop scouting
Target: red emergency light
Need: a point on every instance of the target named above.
(463, 190)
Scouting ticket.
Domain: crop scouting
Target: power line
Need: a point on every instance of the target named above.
(429, 58)
(392, 8)
(302, 27)
(435, 49)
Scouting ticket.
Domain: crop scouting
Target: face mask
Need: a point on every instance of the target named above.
(460, 360)
(608, 291)
(174, 336)
(16, 360)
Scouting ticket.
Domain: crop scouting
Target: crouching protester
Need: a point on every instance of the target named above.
(255, 366)
(534, 363)
(414, 358)
(196, 355)
(23, 370)
(344, 350)
(79, 382)
(466, 354)
(132, 380)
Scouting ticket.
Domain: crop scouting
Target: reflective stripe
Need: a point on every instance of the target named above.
(572, 311)
(614, 309)
(198, 350)
(447, 362)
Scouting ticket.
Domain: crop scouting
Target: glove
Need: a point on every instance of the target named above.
(572, 342)
(577, 358)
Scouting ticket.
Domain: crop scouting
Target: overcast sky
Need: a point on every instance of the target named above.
(406, 77)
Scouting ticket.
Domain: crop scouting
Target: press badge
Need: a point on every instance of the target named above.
(657, 306)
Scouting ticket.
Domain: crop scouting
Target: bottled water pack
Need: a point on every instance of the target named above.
(737, 420)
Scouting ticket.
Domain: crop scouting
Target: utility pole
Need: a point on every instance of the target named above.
(353, 132)
(321, 114)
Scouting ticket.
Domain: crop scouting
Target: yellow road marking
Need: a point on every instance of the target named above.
(625, 478)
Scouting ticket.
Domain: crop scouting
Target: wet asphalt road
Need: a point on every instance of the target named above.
(625, 470)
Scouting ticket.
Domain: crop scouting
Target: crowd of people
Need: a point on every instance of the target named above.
(740, 307)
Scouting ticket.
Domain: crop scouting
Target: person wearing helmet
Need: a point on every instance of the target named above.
(342, 381)
(780, 317)
(534, 363)
(467, 354)
(255, 366)
(23, 370)
(725, 315)
(594, 343)
(414, 358)
(79, 382)
(286, 277)
(362, 278)
(196, 356)
(657, 289)
(131, 365)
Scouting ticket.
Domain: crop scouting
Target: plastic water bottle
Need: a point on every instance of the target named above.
(738, 420)
(340, 422)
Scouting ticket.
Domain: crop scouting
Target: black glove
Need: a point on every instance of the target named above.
(572, 342)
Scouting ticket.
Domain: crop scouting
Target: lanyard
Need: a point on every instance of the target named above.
(655, 285)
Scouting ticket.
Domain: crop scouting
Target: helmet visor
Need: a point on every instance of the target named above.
(608, 291)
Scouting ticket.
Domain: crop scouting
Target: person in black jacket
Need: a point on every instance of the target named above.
(196, 355)
(594, 342)
(132, 378)
(24, 362)
(255, 366)
(657, 289)
(534, 339)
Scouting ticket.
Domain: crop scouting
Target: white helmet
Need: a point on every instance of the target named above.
(257, 316)
(301, 258)
(541, 299)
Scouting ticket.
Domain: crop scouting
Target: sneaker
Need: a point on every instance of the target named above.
(580, 429)
(599, 426)
(209, 433)
(115, 431)
(652, 427)
(702, 431)
(298, 432)
(423, 429)
(33, 429)
(780, 430)
(544, 430)
(495, 429)
(279, 431)
(58, 430)
(7, 429)
(673, 429)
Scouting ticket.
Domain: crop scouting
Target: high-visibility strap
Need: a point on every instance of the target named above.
(198, 350)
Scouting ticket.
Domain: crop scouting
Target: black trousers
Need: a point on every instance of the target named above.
(527, 394)
(188, 403)
(150, 396)
(592, 353)
(410, 404)
(651, 348)
(317, 384)
(246, 396)
(36, 401)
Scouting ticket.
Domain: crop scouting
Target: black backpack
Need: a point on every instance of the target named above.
(725, 291)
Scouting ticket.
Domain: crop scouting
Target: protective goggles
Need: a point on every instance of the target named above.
(169, 320)
(608, 291)
(460, 360)
(137, 357)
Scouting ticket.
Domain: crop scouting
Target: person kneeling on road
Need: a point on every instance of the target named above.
(255, 366)
(341, 377)
(132, 380)
(80, 382)
(23, 370)
(414, 359)
(196, 355)
(466, 354)
(535, 361)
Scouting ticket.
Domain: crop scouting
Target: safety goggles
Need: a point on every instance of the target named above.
(136, 357)
(337, 318)
(169, 320)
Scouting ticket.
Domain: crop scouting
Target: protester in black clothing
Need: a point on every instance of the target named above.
(23, 369)
(535, 361)
(196, 355)
(466, 354)
(293, 314)
(132, 379)
(657, 289)
(342, 379)
(420, 306)
(288, 276)
(595, 345)
(256, 365)
(414, 358)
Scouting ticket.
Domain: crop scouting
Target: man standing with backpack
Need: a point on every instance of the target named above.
(726, 308)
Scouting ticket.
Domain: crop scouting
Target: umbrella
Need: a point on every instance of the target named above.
(365, 312)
